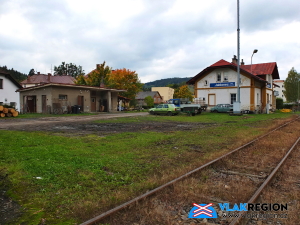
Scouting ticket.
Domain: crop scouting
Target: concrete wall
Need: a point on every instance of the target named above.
(74, 96)
(8, 93)
(165, 92)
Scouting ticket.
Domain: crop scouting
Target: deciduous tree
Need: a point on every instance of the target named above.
(125, 79)
(31, 72)
(69, 69)
(149, 101)
(291, 85)
(183, 92)
(97, 76)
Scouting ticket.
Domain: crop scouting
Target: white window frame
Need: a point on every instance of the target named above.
(231, 99)
(219, 76)
(63, 97)
(225, 77)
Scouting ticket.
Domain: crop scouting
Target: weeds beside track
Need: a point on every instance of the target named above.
(210, 169)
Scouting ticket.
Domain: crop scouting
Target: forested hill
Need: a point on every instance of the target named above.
(15, 74)
(166, 81)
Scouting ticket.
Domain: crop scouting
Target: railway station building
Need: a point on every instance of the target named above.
(217, 84)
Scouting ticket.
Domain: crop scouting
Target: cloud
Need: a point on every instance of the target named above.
(157, 39)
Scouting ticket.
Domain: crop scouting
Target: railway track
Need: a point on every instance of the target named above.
(236, 178)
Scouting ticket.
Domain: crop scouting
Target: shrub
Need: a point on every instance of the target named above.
(279, 103)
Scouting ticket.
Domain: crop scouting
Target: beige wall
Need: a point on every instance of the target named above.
(165, 92)
(52, 96)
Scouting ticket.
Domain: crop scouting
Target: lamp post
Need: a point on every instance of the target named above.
(298, 93)
(254, 51)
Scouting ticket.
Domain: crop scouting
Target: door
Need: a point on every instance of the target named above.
(31, 104)
(44, 104)
(211, 99)
(93, 104)
(80, 102)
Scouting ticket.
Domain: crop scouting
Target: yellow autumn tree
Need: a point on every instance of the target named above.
(183, 92)
(125, 79)
(96, 77)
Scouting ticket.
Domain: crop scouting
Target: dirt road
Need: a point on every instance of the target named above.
(80, 125)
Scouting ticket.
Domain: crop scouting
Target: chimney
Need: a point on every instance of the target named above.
(38, 73)
(242, 63)
(234, 59)
(49, 77)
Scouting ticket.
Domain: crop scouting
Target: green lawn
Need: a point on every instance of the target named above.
(64, 180)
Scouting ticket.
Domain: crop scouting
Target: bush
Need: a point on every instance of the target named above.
(289, 105)
(279, 103)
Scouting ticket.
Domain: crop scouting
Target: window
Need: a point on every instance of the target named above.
(1, 83)
(62, 97)
(205, 83)
(225, 76)
(219, 77)
(232, 98)
(166, 106)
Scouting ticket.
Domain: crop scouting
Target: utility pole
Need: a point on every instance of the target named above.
(237, 103)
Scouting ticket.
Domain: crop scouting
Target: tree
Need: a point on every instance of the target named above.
(18, 76)
(80, 80)
(125, 79)
(31, 72)
(97, 76)
(291, 86)
(183, 92)
(149, 101)
(68, 69)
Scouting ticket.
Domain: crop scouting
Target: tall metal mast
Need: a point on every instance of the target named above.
(238, 53)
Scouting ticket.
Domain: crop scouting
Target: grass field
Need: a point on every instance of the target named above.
(66, 180)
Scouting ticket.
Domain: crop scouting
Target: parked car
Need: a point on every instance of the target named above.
(222, 108)
(167, 109)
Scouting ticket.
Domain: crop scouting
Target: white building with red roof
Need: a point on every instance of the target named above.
(217, 84)
(279, 88)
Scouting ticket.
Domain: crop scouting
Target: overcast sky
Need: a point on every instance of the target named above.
(156, 38)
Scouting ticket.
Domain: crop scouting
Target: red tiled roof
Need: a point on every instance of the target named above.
(221, 62)
(257, 70)
(70, 85)
(42, 78)
(263, 69)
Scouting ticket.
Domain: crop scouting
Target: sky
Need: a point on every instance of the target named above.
(156, 38)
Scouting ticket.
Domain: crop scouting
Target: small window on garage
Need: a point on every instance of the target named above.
(62, 97)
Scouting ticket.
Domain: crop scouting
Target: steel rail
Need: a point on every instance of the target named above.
(265, 183)
(149, 193)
